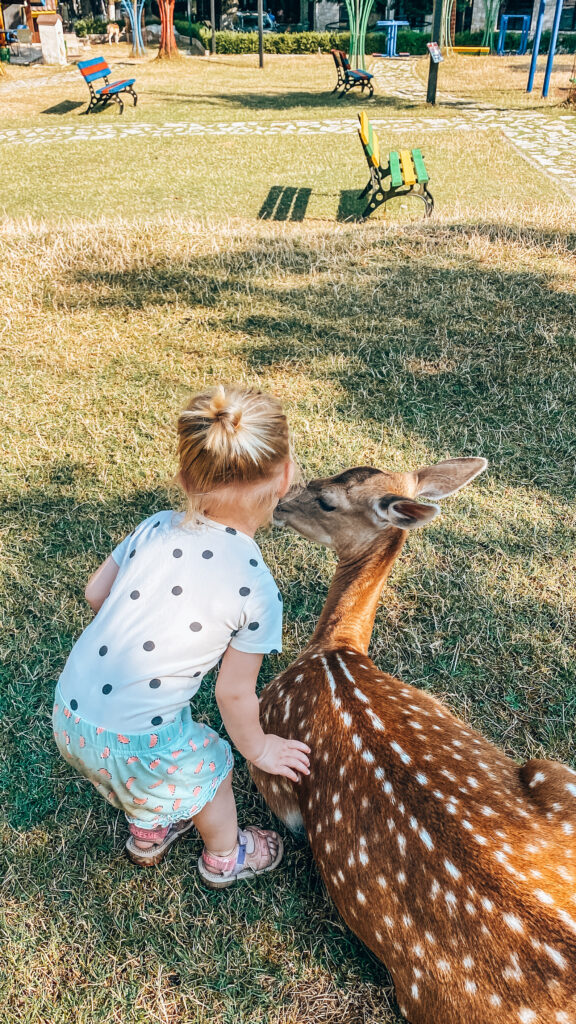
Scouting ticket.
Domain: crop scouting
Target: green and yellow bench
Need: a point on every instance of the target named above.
(404, 174)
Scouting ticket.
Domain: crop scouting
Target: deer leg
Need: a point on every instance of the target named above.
(278, 792)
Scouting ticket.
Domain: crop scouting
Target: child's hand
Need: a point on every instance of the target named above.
(283, 757)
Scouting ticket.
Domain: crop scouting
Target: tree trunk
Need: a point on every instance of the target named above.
(168, 48)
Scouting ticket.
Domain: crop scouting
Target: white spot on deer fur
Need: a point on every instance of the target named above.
(487, 904)
(544, 897)
(567, 920)
(468, 963)
(526, 1016)
(347, 719)
(514, 923)
(471, 986)
(368, 756)
(414, 991)
(450, 898)
(376, 722)
(387, 787)
(415, 725)
(487, 812)
(424, 836)
(495, 1000)
(337, 814)
(567, 828)
(336, 798)
(449, 775)
(418, 951)
(407, 920)
(443, 965)
(404, 757)
(413, 824)
(401, 844)
(556, 957)
(360, 896)
(357, 742)
(430, 938)
(401, 877)
(470, 908)
(422, 779)
(438, 794)
(351, 861)
(452, 869)
(287, 707)
(562, 1018)
(481, 840)
(435, 889)
(538, 777)
(416, 972)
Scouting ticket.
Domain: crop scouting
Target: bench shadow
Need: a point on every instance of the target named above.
(285, 202)
(65, 107)
(350, 206)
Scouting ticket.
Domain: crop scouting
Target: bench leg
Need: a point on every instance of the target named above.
(133, 94)
(380, 196)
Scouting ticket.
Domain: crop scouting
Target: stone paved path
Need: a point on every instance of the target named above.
(548, 143)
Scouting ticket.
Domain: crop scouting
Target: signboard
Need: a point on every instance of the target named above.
(435, 52)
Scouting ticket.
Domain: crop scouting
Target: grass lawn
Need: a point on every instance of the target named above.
(135, 270)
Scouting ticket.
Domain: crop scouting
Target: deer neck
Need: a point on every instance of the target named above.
(348, 615)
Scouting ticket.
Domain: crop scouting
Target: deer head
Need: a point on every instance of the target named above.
(351, 511)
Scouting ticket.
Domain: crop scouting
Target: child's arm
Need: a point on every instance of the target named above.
(238, 704)
(100, 584)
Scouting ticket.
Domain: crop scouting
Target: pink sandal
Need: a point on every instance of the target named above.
(266, 853)
(162, 839)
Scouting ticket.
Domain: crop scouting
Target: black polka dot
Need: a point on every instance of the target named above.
(195, 627)
(107, 689)
(177, 553)
(149, 645)
(274, 651)
(156, 524)
(176, 591)
(244, 591)
(74, 705)
(196, 674)
(253, 562)
(157, 720)
(103, 650)
(230, 529)
(207, 554)
(253, 625)
(234, 632)
(154, 684)
(132, 553)
(135, 595)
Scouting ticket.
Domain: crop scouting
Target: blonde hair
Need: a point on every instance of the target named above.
(230, 435)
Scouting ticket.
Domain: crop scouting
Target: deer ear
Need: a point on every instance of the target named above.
(448, 477)
(408, 514)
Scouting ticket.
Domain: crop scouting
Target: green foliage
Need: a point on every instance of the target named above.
(196, 30)
(90, 26)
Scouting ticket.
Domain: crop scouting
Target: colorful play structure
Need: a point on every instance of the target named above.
(551, 51)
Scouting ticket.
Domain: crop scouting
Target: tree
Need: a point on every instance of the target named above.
(168, 49)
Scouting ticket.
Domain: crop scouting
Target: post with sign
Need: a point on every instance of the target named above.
(261, 33)
(434, 50)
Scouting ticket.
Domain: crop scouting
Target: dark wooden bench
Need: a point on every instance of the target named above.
(404, 174)
(95, 69)
(347, 78)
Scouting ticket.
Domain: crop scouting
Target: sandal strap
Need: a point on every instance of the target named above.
(225, 865)
(149, 835)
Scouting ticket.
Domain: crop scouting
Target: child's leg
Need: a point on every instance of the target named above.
(217, 822)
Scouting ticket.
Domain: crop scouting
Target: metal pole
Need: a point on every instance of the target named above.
(433, 67)
(261, 33)
(552, 50)
(536, 45)
(213, 26)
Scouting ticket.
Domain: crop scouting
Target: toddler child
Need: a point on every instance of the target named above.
(183, 591)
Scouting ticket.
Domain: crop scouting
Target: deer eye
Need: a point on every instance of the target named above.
(324, 505)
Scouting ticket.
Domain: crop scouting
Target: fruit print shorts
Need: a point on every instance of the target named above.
(156, 778)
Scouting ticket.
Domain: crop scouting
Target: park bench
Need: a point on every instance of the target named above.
(405, 170)
(96, 68)
(347, 78)
(477, 51)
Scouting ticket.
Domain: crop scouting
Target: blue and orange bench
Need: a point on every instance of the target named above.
(95, 69)
(404, 173)
(347, 78)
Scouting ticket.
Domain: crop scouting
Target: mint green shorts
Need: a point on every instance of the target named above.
(156, 778)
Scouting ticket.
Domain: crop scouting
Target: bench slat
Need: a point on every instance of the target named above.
(420, 167)
(407, 167)
(364, 126)
(396, 178)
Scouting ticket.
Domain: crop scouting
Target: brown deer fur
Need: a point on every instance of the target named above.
(453, 864)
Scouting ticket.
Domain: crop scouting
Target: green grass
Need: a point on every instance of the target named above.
(392, 345)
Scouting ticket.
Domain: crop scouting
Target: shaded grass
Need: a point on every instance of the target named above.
(388, 346)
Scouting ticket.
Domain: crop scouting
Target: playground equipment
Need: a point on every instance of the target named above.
(391, 29)
(571, 99)
(551, 51)
(525, 30)
(358, 14)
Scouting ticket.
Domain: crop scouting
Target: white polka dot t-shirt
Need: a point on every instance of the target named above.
(181, 597)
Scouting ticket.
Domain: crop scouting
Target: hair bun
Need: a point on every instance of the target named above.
(222, 412)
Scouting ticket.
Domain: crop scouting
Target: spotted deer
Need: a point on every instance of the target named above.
(454, 864)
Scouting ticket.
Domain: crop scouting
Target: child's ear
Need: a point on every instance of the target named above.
(448, 477)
